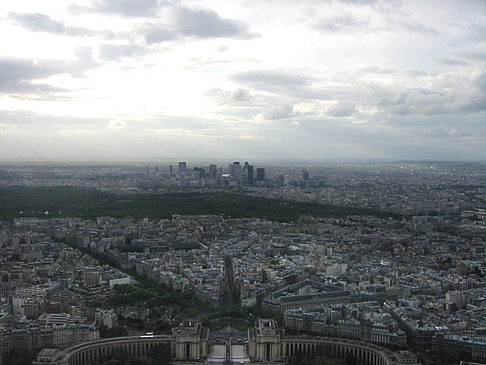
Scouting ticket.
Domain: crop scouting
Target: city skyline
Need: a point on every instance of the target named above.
(336, 80)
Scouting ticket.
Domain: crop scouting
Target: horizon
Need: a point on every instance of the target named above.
(223, 161)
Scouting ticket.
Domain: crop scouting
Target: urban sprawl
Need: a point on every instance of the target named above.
(410, 280)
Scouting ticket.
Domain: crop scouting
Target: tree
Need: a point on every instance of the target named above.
(322, 360)
(20, 357)
(161, 354)
(121, 355)
(351, 360)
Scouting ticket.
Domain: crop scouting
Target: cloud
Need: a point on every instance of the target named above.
(378, 70)
(117, 51)
(22, 78)
(341, 109)
(200, 23)
(477, 32)
(278, 112)
(204, 23)
(34, 119)
(117, 124)
(341, 23)
(353, 2)
(480, 81)
(285, 83)
(157, 34)
(358, 2)
(469, 97)
(239, 101)
(411, 26)
(84, 54)
(473, 56)
(17, 76)
(451, 62)
(241, 95)
(127, 8)
(38, 22)
(271, 80)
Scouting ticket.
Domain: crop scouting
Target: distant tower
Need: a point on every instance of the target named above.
(249, 175)
(237, 171)
(199, 173)
(213, 171)
(171, 171)
(182, 167)
(260, 174)
(305, 175)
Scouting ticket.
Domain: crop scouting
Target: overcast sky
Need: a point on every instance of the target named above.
(290, 79)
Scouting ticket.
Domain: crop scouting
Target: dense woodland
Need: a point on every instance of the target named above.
(54, 202)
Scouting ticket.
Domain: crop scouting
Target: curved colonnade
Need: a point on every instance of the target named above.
(363, 353)
(96, 352)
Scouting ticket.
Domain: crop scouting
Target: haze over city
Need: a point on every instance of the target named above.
(128, 80)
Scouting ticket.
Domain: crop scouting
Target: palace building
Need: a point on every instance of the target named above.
(190, 342)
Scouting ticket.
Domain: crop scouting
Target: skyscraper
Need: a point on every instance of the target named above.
(237, 171)
(182, 167)
(249, 175)
(260, 174)
(213, 171)
(199, 173)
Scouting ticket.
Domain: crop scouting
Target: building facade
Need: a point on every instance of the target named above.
(190, 342)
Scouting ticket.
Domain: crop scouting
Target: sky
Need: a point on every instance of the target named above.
(126, 80)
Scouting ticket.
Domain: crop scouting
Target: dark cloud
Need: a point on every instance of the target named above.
(451, 62)
(387, 102)
(38, 22)
(157, 34)
(204, 23)
(480, 81)
(128, 8)
(414, 73)
(22, 77)
(378, 70)
(354, 2)
(184, 22)
(358, 2)
(477, 32)
(285, 84)
(276, 112)
(240, 95)
(117, 51)
(473, 56)
(272, 80)
(341, 109)
(32, 118)
(429, 102)
(411, 26)
(398, 19)
(17, 76)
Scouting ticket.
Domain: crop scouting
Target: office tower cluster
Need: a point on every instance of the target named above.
(236, 174)
(233, 174)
